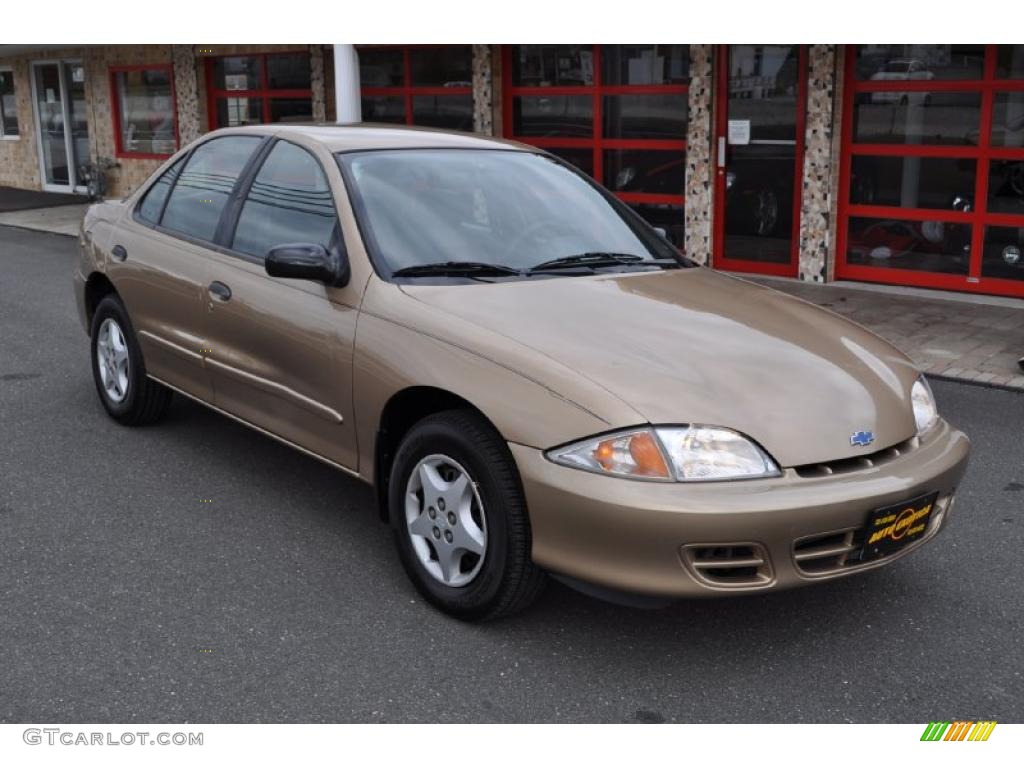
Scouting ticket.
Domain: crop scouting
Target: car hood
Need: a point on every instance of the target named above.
(695, 346)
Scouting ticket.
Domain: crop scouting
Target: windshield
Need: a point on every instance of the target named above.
(499, 207)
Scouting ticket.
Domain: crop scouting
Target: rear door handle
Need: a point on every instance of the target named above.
(219, 291)
(119, 253)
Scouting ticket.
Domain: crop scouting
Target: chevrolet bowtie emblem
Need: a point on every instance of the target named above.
(862, 438)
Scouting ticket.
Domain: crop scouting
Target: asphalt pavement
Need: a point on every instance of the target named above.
(196, 571)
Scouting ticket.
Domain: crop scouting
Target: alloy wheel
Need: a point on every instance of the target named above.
(112, 359)
(445, 519)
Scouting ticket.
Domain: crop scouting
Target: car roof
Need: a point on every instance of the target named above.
(351, 137)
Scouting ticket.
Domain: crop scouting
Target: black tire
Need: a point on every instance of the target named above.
(507, 580)
(144, 401)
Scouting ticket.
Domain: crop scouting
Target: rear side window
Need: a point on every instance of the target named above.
(153, 202)
(203, 188)
(289, 202)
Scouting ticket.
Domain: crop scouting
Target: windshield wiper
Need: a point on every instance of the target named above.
(598, 259)
(456, 269)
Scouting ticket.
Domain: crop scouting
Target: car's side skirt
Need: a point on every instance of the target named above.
(262, 431)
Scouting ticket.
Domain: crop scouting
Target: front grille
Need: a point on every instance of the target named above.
(839, 550)
(729, 565)
(841, 466)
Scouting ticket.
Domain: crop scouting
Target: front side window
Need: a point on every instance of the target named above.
(289, 202)
(144, 119)
(8, 106)
(516, 209)
(260, 88)
(202, 190)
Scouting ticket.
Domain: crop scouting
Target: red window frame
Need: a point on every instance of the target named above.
(407, 90)
(115, 111)
(597, 143)
(264, 94)
(978, 218)
(719, 258)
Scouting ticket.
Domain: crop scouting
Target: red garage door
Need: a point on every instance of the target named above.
(932, 176)
(617, 112)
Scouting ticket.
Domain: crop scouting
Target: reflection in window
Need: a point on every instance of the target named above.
(920, 62)
(913, 182)
(289, 202)
(381, 68)
(241, 94)
(449, 66)
(552, 65)
(567, 116)
(438, 92)
(645, 116)
(145, 111)
(666, 216)
(1010, 61)
(886, 117)
(763, 88)
(1008, 119)
(1006, 186)
(1003, 255)
(8, 105)
(928, 246)
(451, 111)
(645, 64)
(202, 190)
(383, 109)
(645, 170)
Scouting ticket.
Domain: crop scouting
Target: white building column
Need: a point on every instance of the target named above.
(347, 105)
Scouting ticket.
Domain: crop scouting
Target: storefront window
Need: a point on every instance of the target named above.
(144, 112)
(617, 112)
(900, 63)
(260, 88)
(8, 106)
(923, 122)
(418, 85)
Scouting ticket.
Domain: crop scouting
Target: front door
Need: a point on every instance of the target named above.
(759, 155)
(62, 132)
(280, 351)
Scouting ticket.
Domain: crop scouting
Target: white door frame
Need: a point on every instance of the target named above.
(69, 143)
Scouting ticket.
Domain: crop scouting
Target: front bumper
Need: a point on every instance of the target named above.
(657, 538)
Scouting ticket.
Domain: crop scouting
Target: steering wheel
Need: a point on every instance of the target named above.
(531, 233)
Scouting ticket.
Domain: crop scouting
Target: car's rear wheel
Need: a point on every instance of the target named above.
(461, 525)
(119, 370)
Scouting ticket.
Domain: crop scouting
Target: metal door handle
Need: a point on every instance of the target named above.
(721, 151)
(119, 253)
(219, 291)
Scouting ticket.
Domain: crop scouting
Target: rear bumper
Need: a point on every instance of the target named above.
(652, 538)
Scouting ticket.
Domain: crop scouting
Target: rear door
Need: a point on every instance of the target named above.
(280, 349)
(159, 259)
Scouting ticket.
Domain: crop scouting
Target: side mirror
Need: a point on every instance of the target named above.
(308, 261)
(661, 231)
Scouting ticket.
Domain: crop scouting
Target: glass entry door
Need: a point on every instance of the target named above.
(58, 90)
(759, 155)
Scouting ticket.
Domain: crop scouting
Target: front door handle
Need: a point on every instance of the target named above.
(119, 253)
(219, 291)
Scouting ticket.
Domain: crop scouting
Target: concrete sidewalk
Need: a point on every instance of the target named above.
(954, 336)
(62, 220)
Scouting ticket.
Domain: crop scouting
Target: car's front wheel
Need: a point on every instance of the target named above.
(460, 518)
(119, 371)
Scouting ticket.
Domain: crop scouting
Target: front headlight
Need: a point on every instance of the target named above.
(925, 412)
(683, 454)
